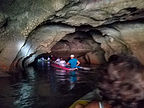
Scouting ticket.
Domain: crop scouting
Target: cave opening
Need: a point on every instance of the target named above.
(82, 45)
(41, 60)
(79, 43)
(62, 40)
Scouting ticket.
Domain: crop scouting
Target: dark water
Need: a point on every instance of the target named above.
(43, 87)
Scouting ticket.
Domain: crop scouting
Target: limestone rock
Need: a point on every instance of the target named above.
(95, 58)
(121, 38)
(78, 42)
(98, 12)
(2, 19)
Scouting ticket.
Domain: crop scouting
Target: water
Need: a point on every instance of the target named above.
(43, 87)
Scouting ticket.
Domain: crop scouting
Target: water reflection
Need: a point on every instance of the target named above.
(45, 87)
(67, 77)
(73, 79)
(25, 90)
(24, 93)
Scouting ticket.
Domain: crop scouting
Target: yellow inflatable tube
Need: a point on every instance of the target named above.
(82, 102)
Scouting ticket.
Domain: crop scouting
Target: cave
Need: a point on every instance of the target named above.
(91, 45)
(97, 32)
(115, 27)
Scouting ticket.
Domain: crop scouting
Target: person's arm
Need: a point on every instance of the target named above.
(78, 63)
(67, 63)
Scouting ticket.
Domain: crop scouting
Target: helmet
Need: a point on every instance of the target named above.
(72, 55)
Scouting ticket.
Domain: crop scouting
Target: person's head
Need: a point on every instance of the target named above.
(71, 56)
(123, 80)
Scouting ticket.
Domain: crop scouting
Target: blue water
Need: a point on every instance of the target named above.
(43, 87)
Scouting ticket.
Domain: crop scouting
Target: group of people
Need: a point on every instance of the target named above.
(73, 62)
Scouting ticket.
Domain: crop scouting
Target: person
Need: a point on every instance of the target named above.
(42, 61)
(122, 81)
(48, 60)
(62, 62)
(57, 61)
(73, 62)
(52, 57)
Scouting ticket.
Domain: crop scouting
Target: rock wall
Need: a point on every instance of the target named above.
(127, 38)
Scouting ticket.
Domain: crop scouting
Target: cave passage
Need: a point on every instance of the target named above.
(79, 43)
(82, 45)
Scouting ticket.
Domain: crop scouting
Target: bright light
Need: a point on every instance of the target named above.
(20, 44)
(26, 50)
